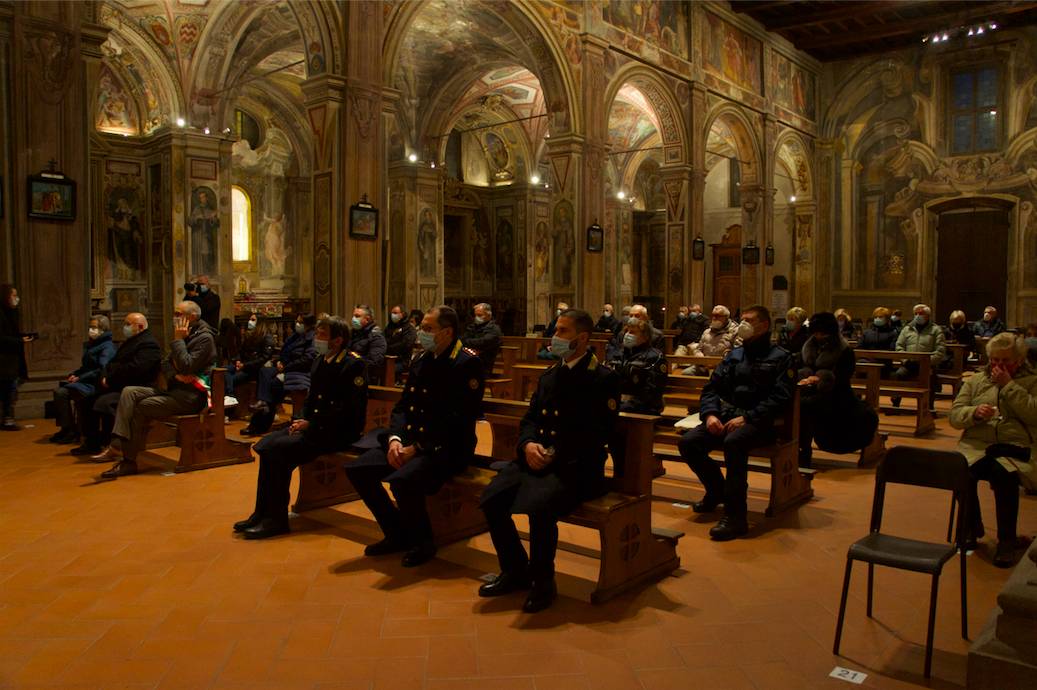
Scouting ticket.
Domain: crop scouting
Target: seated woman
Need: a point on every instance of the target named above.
(81, 384)
(291, 373)
(996, 409)
(845, 321)
(830, 413)
(795, 333)
(881, 334)
(257, 347)
(642, 370)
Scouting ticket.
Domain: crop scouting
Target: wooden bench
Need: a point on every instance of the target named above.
(871, 374)
(959, 355)
(679, 363)
(202, 437)
(631, 550)
(524, 377)
(917, 387)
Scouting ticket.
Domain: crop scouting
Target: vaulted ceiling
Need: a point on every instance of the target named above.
(836, 30)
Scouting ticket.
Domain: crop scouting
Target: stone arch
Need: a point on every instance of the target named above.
(747, 144)
(803, 172)
(663, 103)
(320, 25)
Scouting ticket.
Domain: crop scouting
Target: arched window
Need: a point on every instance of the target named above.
(241, 225)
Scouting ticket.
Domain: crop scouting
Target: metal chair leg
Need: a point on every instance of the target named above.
(950, 522)
(871, 583)
(842, 607)
(932, 626)
(964, 600)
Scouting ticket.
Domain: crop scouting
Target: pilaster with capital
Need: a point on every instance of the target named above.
(753, 209)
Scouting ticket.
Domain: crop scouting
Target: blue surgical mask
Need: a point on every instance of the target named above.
(202, 289)
(480, 320)
(356, 322)
(561, 347)
(252, 325)
(629, 341)
(920, 321)
(427, 341)
(300, 328)
(879, 322)
(396, 318)
(321, 346)
(127, 331)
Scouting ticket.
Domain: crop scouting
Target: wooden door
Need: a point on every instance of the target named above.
(971, 262)
(727, 270)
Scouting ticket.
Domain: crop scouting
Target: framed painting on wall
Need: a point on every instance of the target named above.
(363, 220)
(595, 238)
(51, 197)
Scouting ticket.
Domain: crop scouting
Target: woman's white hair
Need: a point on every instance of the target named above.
(1005, 341)
(926, 309)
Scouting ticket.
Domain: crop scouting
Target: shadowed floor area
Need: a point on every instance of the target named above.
(139, 583)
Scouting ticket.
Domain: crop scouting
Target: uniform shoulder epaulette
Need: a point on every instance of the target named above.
(470, 351)
(355, 354)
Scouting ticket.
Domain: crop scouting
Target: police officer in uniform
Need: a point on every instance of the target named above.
(750, 389)
(642, 370)
(333, 419)
(560, 464)
(431, 437)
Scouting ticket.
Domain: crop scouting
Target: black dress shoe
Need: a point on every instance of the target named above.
(385, 546)
(252, 520)
(541, 596)
(86, 449)
(65, 436)
(707, 505)
(418, 555)
(123, 468)
(505, 583)
(265, 529)
(729, 528)
(248, 431)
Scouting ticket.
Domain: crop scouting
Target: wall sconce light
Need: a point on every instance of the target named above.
(698, 248)
(751, 253)
(768, 254)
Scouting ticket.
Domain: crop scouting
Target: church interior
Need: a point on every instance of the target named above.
(310, 156)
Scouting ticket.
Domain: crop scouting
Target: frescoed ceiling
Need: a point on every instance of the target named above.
(632, 125)
(518, 90)
(720, 144)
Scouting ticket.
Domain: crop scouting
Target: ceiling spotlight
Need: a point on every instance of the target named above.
(413, 158)
(432, 164)
(944, 37)
(978, 31)
(535, 179)
(972, 32)
(993, 26)
(180, 122)
(547, 186)
(206, 130)
(792, 199)
(993, 112)
(621, 194)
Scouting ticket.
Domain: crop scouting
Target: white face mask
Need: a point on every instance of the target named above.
(558, 312)
(127, 331)
(251, 325)
(561, 347)
(300, 328)
(608, 312)
(696, 314)
(396, 318)
(14, 301)
(94, 333)
(745, 330)
(629, 341)
(480, 320)
(717, 324)
(321, 346)
(427, 341)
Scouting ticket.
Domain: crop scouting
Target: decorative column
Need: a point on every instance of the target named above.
(823, 253)
(695, 114)
(415, 257)
(591, 209)
(804, 252)
(677, 186)
(753, 208)
(566, 241)
(770, 136)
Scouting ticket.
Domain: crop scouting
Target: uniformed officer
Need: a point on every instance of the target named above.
(431, 437)
(483, 336)
(642, 371)
(333, 419)
(560, 464)
(747, 392)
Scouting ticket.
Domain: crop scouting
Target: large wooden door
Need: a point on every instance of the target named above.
(727, 270)
(971, 262)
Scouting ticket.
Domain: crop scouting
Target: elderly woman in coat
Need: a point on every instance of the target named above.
(997, 411)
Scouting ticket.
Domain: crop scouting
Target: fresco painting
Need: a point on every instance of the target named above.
(732, 54)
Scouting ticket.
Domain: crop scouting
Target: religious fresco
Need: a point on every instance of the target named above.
(563, 244)
(663, 23)
(126, 241)
(204, 222)
(731, 53)
(482, 251)
(115, 110)
(629, 125)
(791, 86)
(497, 151)
(505, 242)
(427, 244)
(276, 244)
(541, 250)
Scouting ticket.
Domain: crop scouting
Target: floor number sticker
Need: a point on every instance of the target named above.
(848, 675)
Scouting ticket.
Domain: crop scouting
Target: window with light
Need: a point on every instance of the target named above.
(975, 110)
(241, 224)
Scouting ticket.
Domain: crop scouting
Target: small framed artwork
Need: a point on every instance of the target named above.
(595, 238)
(363, 220)
(52, 197)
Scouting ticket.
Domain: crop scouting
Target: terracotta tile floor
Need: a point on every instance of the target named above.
(139, 584)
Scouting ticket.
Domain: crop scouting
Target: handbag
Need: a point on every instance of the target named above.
(1015, 455)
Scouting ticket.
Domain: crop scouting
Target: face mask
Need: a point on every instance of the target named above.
(879, 322)
(988, 317)
(957, 326)
(716, 324)
(629, 341)
(127, 331)
(1031, 342)
(921, 321)
(696, 314)
(480, 320)
(300, 328)
(682, 316)
(356, 322)
(15, 301)
(427, 341)
(745, 330)
(93, 333)
(321, 346)
(396, 318)
(607, 313)
(561, 347)
(202, 289)
(252, 325)
(895, 319)
(558, 312)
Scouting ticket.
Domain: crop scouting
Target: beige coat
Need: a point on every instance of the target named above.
(1017, 408)
(717, 343)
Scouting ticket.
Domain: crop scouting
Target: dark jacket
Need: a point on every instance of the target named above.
(439, 407)
(12, 348)
(607, 324)
(194, 355)
(96, 355)
(754, 381)
(793, 342)
(336, 406)
(988, 329)
(399, 339)
(297, 355)
(692, 329)
(369, 343)
(255, 352)
(210, 306)
(879, 338)
(136, 362)
(574, 413)
(833, 363)
(642, 372)
(485, 339)
(962, 335)
(831, 414)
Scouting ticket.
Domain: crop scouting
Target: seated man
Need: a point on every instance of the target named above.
(136, 363)
(921, 335)
(400, 335)
(642, 371)
(333, 419)
(368, 341)
(750, 389)
(80, 386)
(290, 373)
(608, 322)
(692, 329)
(545, 352)
(483, 336)
(990, 325)
(431, 437)
(192, 356)
(717, 340)
(560, 463)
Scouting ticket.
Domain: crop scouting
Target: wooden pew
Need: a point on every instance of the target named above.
(679, 363)
(202, 437)
(871, 373)
(631, 550)
(245, 394)
(953, 377)
(524, 377)
(916, 387)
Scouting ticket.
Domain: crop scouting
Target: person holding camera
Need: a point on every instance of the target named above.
(996, 409)
(201, 294)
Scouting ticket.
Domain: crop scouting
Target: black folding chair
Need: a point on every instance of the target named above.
(935, 469)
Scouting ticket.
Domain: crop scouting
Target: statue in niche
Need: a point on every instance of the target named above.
(427, 245)
(540, 251)
(125, 238)
(563, 245)
(274, 245)
(205, 224)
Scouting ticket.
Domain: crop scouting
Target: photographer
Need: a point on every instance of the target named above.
(201, 294)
